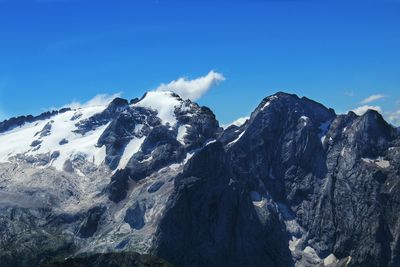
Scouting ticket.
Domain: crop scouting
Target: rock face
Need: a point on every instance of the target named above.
(208, 214)
(331, 172)
(295, 185)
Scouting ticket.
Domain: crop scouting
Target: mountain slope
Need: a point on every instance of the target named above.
(295, 184)
(326, 175)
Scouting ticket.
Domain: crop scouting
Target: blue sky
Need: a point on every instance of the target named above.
(53, 52)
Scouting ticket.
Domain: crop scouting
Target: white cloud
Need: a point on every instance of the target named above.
(192, 89)
(98, 100)
(372, 98)
(394, 117)
(362, 109)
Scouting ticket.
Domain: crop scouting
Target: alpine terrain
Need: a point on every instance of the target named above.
(157, 182)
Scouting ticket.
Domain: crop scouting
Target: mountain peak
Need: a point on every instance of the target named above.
(373, 124)
(284, 103)
(118, 102)
(372, 113)
(285, 94)
(164, 102)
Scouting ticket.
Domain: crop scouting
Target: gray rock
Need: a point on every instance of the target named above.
(90, 224)
(295, 185)
(134, 216)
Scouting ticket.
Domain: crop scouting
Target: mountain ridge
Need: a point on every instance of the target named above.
(294, 185)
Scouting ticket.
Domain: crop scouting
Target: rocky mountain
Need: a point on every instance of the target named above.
(294, 185)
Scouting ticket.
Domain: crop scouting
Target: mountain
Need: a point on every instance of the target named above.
(294, 185)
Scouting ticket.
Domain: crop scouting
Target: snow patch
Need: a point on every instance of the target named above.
(100, 155)
(266, 105)
(131, 148)
(239, 122)
(309, 250)
(269, 101)
(380, 162)
(331, 259)
(210, 142)
(257, 199)
(293, 243)
(82, 145)
(188, 156)
(234, 141)
(148, 159)
(162, 102)
(305, 119)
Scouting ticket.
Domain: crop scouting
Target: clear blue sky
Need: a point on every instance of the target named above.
(337, 52)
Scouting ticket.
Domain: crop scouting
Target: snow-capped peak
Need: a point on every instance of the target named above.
(164, 102)
(238, 122)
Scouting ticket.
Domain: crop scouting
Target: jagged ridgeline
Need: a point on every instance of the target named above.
(157, 182)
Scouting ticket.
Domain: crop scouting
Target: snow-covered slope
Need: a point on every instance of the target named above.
(61, 137)
(164, 103)
(54, 136)
(100, 175)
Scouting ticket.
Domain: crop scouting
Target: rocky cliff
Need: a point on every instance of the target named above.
(295, 185)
